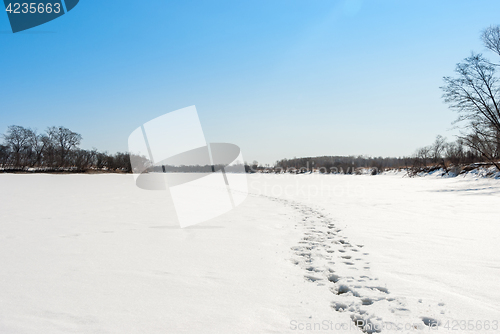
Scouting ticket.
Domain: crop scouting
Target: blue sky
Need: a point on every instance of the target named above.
(279, 78)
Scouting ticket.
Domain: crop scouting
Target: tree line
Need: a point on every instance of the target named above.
(338, 164)
(440, 154)
(448, 155)
(56, 149)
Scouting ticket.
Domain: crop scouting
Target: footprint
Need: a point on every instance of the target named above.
(312, 278)
(366, 301)
(334, 278)
(431, 322)
(380, 288)
(322, 239)
(343, 289)
(339, 307)
(313, 269)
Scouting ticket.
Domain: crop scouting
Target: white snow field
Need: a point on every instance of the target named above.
(303, 254)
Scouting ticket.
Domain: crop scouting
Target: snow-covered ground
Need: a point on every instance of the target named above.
(433, 243)
(95, 254)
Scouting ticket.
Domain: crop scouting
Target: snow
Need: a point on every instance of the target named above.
(433, 243)
(95, 254)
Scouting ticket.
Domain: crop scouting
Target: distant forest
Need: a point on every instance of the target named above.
(57, 150)
(440, 154)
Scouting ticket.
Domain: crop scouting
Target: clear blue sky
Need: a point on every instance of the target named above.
(279, 78)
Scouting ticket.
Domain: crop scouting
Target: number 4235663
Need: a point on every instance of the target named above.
(32, 8)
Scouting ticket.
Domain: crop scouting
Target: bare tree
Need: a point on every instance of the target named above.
(454, 152)
(17, 139)
(4, 155)
(475, 95)
(122, 161)
(437, 148)
(81, 159)
(491, 38)
(65, 140)
(37, 143)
